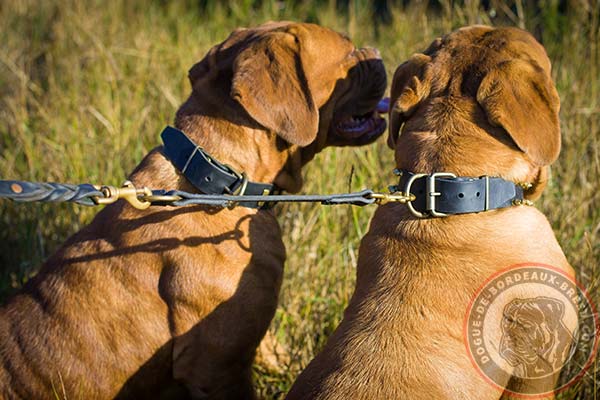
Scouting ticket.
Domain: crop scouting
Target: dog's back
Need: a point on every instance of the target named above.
(461, 107)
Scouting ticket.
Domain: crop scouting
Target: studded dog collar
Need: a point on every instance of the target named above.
(207, 174)
(442, 193)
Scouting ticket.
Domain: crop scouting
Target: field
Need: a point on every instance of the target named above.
(87, 86)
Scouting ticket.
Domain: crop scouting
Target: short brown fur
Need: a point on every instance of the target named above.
(140, 302)
(479, 101)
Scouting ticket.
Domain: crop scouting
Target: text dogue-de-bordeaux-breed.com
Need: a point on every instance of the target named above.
(478, 102)
(139, 302)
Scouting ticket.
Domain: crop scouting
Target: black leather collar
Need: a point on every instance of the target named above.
(441, 194)
(208, 175)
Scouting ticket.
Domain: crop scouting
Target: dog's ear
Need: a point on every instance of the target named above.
(208, 69)
(270, 83)
(411, 84)
(199, 70)
(204, 70)
(520, 97)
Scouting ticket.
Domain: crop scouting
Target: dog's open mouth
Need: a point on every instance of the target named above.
(358, 126)
(365, 127)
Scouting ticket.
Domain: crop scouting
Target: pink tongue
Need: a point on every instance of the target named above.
(383, 106)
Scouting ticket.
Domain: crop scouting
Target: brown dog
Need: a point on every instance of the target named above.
(479, 101)
(145, 300)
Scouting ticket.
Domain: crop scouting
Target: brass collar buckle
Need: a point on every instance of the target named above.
(430, 192)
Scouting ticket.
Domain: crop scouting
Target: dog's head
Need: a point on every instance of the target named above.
(478, 101)
(534, 335)
(306, 86)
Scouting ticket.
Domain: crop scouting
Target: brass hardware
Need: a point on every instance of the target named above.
(431, 194)
(430, 186)
(240, 191)
(16, 188)
(398, 197)
(242, 188)
(264, 193)
(136, 197)
(411, 180)
(524, 202)
(525, 185)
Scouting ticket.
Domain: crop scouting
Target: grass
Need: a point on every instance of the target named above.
(86, 87)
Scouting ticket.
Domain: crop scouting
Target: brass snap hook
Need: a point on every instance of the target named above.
(128, 192)
(399, 197)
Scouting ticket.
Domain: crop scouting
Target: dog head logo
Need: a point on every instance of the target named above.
(534, 338)
(531, 330)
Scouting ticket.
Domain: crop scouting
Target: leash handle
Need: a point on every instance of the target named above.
(21, 191)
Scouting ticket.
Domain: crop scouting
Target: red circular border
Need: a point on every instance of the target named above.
(555, 391)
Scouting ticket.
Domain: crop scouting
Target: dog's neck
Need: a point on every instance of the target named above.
(233, 138)
(464, 144)
(229, 145)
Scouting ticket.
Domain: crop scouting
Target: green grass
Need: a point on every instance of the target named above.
(86, 87)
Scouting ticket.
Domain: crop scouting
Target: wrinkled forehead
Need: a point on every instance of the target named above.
(481, 41)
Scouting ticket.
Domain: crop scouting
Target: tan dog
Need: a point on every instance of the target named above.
(479, 101)
(140, 301)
